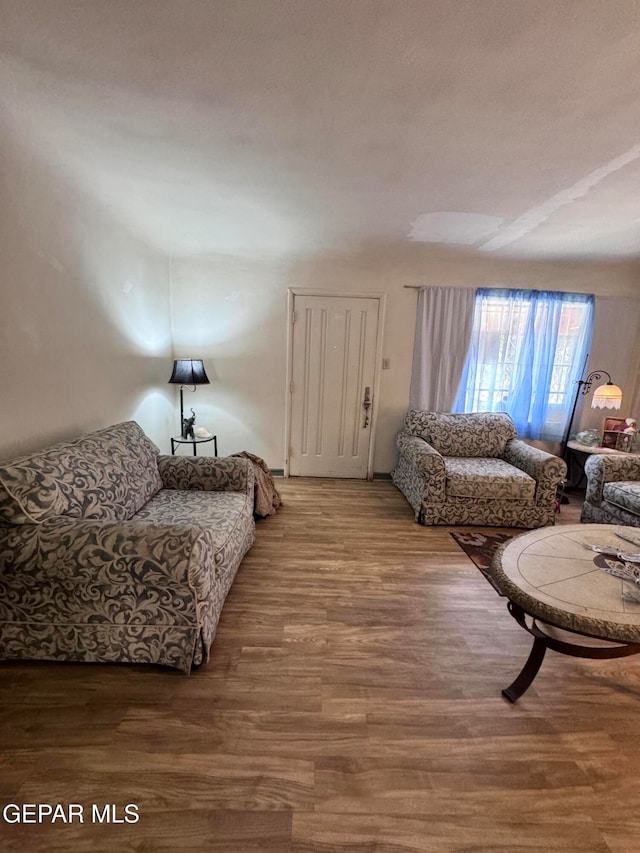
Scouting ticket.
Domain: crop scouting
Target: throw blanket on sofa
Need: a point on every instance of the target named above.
(266, 497)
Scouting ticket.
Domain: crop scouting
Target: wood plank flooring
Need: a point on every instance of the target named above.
(352, 704)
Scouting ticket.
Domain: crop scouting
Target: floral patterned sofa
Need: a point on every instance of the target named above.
(613, 490)
(471, 469)
(110, 551)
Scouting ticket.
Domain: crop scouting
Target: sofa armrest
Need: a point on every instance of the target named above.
(80, 551)
(209, 474)
(546, 469)
(426, 464)
(602, 468)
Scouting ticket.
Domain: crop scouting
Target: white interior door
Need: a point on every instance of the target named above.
(333, 371)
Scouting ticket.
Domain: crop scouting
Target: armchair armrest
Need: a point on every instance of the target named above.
(427, 464)
(545, 468)
(601, 469)
(219, 474)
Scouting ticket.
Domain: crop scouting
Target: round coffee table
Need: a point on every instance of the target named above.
(555, 584)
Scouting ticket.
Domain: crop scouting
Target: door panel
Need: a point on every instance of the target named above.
(334, 351)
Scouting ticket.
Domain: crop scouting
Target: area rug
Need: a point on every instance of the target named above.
(480, 548)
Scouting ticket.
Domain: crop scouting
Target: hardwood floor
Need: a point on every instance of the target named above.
(352, 704)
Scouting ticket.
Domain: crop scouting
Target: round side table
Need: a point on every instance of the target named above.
(195, 442)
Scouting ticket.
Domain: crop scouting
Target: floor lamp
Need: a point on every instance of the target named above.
(187, 372)
(607, 396)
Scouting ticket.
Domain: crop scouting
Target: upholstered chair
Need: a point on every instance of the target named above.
(471, 469)
(613, 490)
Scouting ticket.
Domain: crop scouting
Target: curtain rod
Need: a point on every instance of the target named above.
(452, 287)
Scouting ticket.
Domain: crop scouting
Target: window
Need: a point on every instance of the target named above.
(527, 348)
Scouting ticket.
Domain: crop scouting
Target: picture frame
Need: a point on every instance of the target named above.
(614, 425)
(625, 442)
(610, 439)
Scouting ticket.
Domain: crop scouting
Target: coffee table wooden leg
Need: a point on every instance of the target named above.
(529, 671)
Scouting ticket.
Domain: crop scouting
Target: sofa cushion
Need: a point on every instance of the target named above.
(222, 515)
(625, 495)
(487, 478)
(109, 474)
(480, 434)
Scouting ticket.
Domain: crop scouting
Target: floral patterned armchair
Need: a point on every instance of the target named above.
(471, 469)
(613, 490)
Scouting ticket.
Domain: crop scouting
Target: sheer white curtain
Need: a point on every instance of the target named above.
(526, 347)
(443, 332)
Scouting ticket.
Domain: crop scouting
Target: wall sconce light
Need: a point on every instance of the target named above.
(607, 396)
(187, 372)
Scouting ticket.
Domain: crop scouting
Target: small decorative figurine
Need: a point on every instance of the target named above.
(631, 431)
(187, 426)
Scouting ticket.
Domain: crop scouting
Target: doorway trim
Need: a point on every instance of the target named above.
(292, 292)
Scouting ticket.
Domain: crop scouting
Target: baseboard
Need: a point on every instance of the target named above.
(377, 475)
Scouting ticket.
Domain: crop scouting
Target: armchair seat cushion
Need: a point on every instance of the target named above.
(487, 478)
(624, 495)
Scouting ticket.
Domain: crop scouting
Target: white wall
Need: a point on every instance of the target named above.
(84, 313)
(231, 311)
(614, 349)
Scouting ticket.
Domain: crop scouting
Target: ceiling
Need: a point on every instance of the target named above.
(273, 127)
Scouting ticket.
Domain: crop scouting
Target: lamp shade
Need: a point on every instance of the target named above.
(189, 371)
(607, 396)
